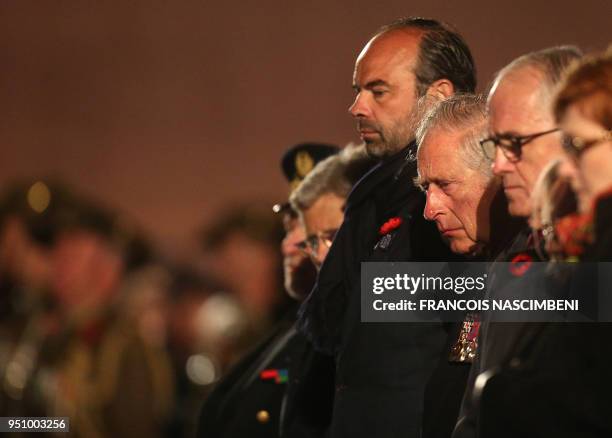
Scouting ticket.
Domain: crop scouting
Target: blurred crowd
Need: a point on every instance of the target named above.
(98, 327)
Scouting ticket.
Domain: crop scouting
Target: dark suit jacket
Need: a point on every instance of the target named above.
(293, 410)
(232, 407)
(495, 338)
(444, 390)
(381, 368)
(307, 406)
(557, 379)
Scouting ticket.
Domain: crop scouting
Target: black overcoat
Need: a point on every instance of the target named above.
(381, 368)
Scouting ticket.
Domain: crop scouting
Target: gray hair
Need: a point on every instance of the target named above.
(551, 63)
(336, 174)
(467, 114)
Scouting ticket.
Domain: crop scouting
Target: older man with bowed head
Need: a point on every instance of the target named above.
(466, 202)
(382, 368)
(457, 179)
(523, 139)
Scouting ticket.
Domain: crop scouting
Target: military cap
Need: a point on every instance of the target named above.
(298, 161)
(48, 208)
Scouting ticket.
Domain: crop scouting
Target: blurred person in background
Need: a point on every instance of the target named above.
(243, 243)
(255, 397)
(29, 222)
(81, 356)
(204, 326)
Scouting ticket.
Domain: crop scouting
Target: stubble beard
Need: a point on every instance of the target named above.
(397, 137)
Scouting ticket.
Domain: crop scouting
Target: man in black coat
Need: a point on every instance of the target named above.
(556, 378)
(382, 368)
(523, 140)
(466, 201)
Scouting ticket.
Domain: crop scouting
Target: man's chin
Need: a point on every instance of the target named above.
(375, 149)
(464, 246)
(519, 207)
(300, 280)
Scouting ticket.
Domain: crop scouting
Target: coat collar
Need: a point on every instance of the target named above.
(386, 172)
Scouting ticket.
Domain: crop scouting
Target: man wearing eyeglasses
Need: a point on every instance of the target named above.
(320, 198)
(523, 139)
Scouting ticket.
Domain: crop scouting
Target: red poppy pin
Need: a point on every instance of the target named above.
(520, 264)
(385, 231)
(390, 225)
(275, 375)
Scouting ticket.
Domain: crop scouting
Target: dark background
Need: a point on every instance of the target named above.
(171, 110)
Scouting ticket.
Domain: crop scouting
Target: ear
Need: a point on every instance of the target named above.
(441, 89)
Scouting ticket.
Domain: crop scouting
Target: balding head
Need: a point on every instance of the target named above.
(397, 77)
(546, 66)
(521, 122)
(443, 53)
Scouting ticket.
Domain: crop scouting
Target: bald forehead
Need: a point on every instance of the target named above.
(520, 91)
(398, 43)
(522, 81)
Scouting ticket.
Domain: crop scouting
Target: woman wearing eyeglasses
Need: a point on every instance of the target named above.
(583, 109)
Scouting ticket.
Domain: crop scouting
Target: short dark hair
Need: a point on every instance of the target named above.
(443, 54)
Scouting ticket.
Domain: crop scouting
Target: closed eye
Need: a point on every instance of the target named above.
(445, 186)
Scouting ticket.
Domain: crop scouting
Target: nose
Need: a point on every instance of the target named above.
(432, 205)
(500, 164)
(289, 244)
(360, 107)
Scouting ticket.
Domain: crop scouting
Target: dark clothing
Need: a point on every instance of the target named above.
(444, 390)
(558, 384)
(557, 379)
(307, 406)
(494, 337)
(381, 368)
(446, 387)
(245, 403)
